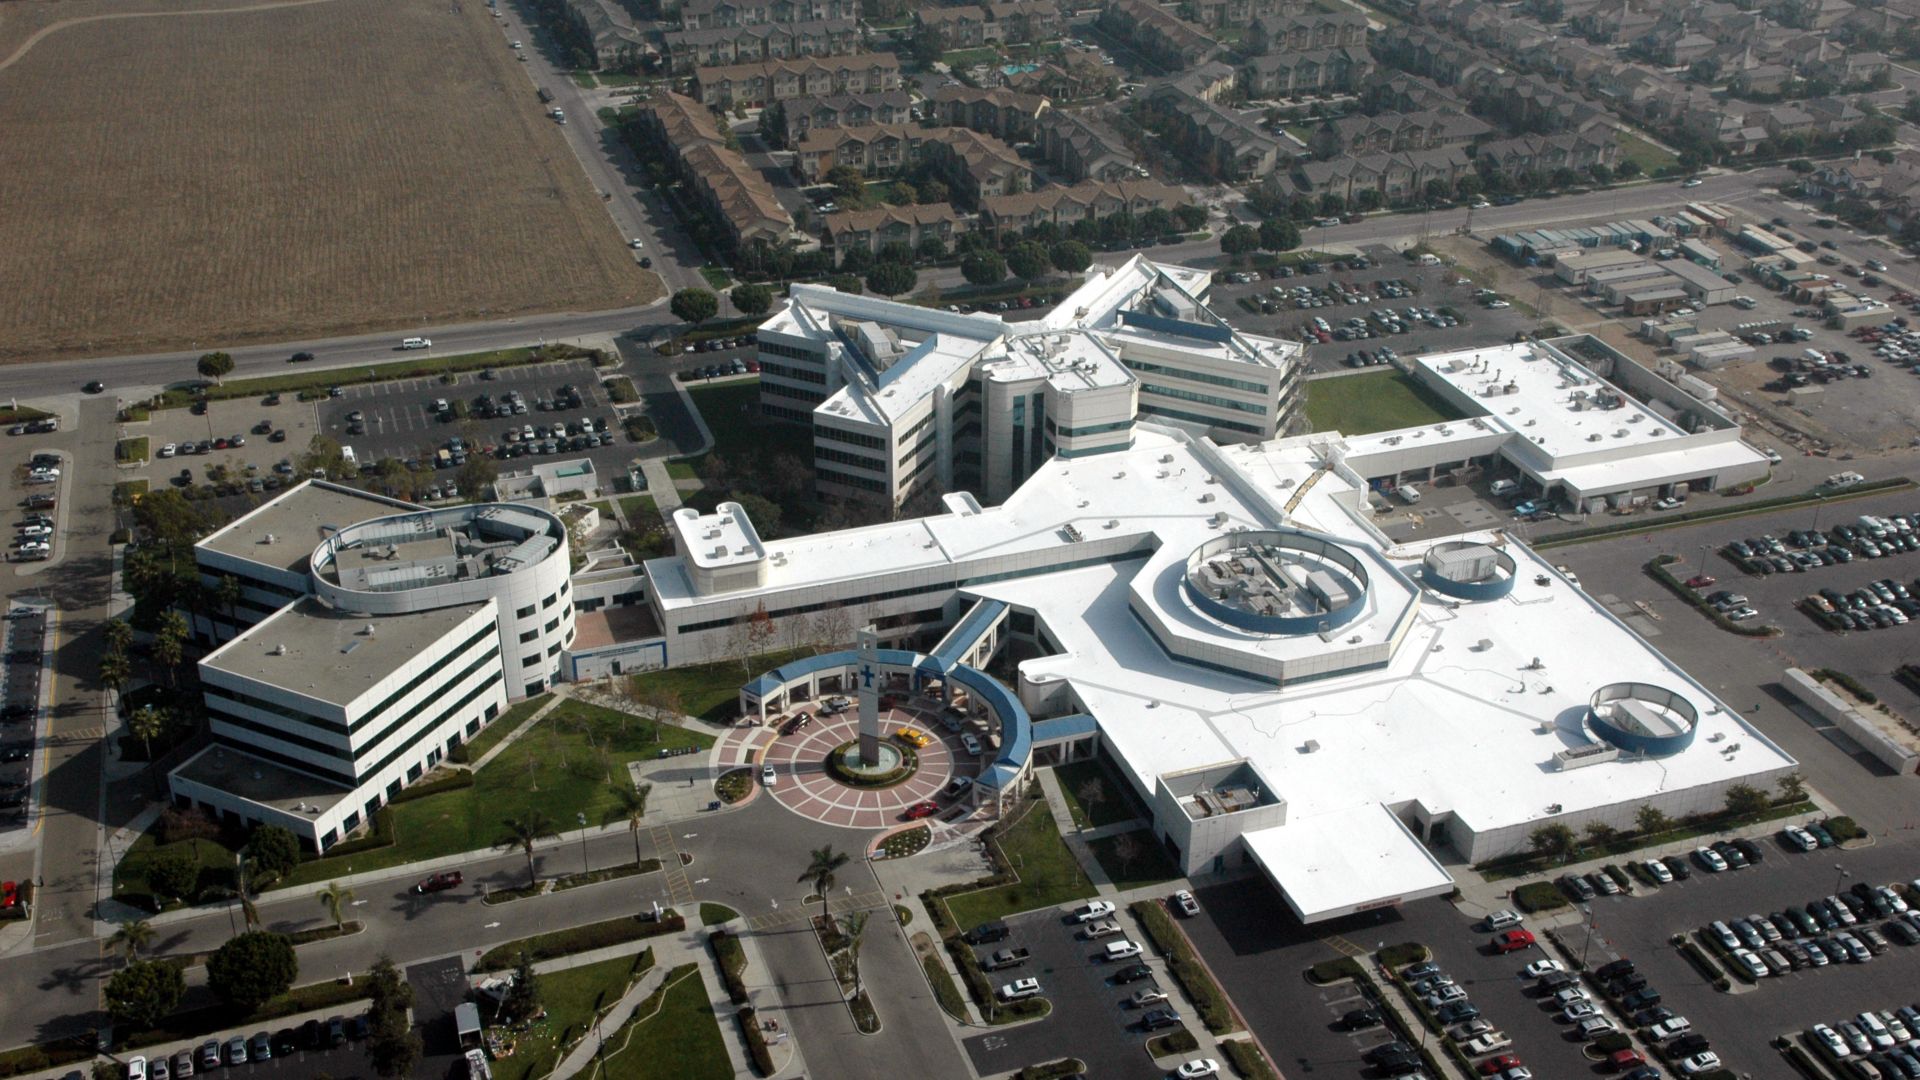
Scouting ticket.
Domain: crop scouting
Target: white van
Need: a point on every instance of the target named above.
(1503, 487)
(417, 343)
(1408, 492)
(1124, 949)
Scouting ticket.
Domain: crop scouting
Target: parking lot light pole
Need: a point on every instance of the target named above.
(584, 868)
(1587, 942)
(1843, 875)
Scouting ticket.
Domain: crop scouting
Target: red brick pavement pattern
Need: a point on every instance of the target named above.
(804, 787)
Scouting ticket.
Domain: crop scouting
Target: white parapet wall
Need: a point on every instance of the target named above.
(1900, 758)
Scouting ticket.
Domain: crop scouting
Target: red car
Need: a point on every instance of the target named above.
(1701, 581)
(1622, 1060)
(9, 894)
(1498, 1064)
(921, 809)
(445, 879)
(1512, 940)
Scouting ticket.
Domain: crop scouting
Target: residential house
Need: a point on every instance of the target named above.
(970, 26)
(616, 41)
(1576, 150)
(1787, 118)
(1218, 14)
(1065, 206)
(704, 14)
(1227, 145)
(1427, 52)
(734, 193)
(1634, 89)
(1079, 147)
(1578, 63)
(977, 166)
(780, 80)
(1401, 92)
(1832, 115)
(1857, 178)
(1844, 67)
(793, 118)
(1530, 103)
(873, 149)
(1810, 14)
(1338, 70)
(1614, 22)
(1213, 81)
(1396, 177)
(1360, 134)
(1306, 32)
(1736, 127)
(1006, 114)
(1028, 21)
(1163, 38)
(944, 28)
(723, 45)
(1673, 45)
(871, 230)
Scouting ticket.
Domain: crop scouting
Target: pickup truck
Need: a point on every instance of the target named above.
(1006, 958)
(1095, 930)
(1019, 989)
(1486, 1044)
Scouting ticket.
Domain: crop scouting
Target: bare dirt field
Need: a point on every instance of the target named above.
(218, 175)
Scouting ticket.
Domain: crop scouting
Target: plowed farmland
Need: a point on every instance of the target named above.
(215, 175)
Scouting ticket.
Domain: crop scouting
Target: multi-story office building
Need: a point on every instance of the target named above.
(902, 397)
(370, 638)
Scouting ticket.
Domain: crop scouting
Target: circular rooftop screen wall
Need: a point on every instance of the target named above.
(1277, 581)
(1467, 570)
(1641, 718)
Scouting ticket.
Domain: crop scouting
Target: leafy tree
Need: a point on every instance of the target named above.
(392, 1044)
(132, 936)
(847, 283)
(895, 252)
(1627, 169)
(762, 511)
(856, 260)
(931, 248)
(1333, 203)
(1601, 172)
(983, 268)
(630, 806)
(1156, 222)
(1599, 834)
(523, 997)
(1239, 240)
(1744, 799)
(1070, 257)
(141, 993)
(335, 898)
(1367, 199)
(1437, 190)
(891, 279)
(694, 305)
(822, 864)
(524, 832)
(751, 299)
(1279, 234)
(1029, 261)
(1555, 841)
(274, 850)
(252, 969)
(933, 192)
(1190, 217)
(1651, 820)
(214, 365)
(1793, 788)
(476, 476)
(903, 194)
(173, 874)
(847, 182)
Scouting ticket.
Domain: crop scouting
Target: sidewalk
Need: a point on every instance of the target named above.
(669, 952)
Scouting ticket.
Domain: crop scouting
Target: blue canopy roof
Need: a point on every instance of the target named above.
(964, 635)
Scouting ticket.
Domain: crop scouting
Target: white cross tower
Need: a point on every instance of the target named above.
(870, 726)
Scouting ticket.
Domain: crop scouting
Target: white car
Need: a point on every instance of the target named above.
(1152, 995)
(1504, 919)
(1198, 1067)
(1185, 904)
(1695, 182)
(136, 1068)
(1496, 305)
(1542, 967)
(1800, 838)
(971, 743)
(1019, 989)
(635, 244)
(1658, 871)
(1122, 950)
(1771, 454)
(1093, 909)
(1670, 1029)
(1578, 1011)
(1755, 966)
(168, 450)
(767, 776)
(1704, 1061)
(1831, 1040)
(1710, 858)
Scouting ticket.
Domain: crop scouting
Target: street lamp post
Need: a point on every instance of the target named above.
(1842, 875)
(582, 817)
(1587, 942)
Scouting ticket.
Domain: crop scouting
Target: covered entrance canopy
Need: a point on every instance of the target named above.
(1347, 861)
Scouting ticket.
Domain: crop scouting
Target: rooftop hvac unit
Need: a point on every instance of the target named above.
(720, 552)
(1310, 746)
(1166, 459)
(1113, 523)
(369, 630)
(268, 539)
(1213, 479)
(1595, 437)
(1207, 498)
(1219, 518)
(279, 650)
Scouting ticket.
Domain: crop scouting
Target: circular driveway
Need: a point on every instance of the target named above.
(804, 787)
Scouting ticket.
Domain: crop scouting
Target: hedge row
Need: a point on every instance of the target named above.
(1215, 1011)
(1398, 956)
(1658, 569)
(1539, 896)
(1852, 685)
(1247, 1060)
(29, 1059)
(1340, 967)
(453, 781)
(733, 964)
(1778, 502)
(193, 1023)
(579, 939)
(1064, 1069)
(756, 1040)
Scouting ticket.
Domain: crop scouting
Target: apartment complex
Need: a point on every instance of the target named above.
(769, 81)
(738, 197)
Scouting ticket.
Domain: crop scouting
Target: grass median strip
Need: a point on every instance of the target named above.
(316, 382)
(1207, 997)
(579, 939)
(673, 1036)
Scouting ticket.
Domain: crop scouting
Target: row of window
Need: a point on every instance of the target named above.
(767, 367)
(833, 434)
(257, 585)
(791, 352)
(834, 476)
(845, 457)
(925, 447)
(492, 654)
(1196, 418)
(917, 590)
(1196, 376)
(484, 686)
(1198, 398)
(1090, 429)
(776, 412)
(782, 390)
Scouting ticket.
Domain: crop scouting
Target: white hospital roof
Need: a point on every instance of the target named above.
(1547, 400)
(1333, 865)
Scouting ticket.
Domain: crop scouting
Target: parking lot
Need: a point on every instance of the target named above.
(252, 419)
(1349, 293)
(401, 419)
(1091, 1017)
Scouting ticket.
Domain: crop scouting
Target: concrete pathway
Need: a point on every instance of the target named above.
(660, 485)
(669, 951)
(559, 695)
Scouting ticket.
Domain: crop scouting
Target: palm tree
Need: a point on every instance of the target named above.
(630, 806)
(146, 725)
(335, 897)
(523, 833)
(822, 862)
(131, 937)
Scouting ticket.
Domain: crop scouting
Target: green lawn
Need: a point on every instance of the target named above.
(1651, 158)
(1376, 401)
(1092, 794)
(316, 382)
(1048, 872)
(716, 277)
(638, 507)
(681, 470)
(584, 79)
(503, 726)
(731, 412)
(130, 877)
(712, 691)
(571, 997)
(552, 767)
(131, 451)
(681, 1041)
(965, 58)
(1145, 864)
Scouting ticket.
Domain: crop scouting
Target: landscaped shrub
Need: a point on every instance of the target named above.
(756, 1041)
(1407, 952)
(453, 781)
(1343, 967)
(1539, 896)
(1844, 829)
(379, 836)
(733, 963)
(581, 939)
